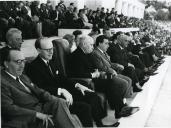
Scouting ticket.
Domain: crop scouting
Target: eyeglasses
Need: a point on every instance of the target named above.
(19, 62)
(48, 50)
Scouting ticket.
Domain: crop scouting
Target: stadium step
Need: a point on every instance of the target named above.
(154, 101)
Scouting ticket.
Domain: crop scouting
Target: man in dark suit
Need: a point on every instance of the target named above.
(24, 105)
(45, 74)
(118, 54)
(103, 63)
(81, 65)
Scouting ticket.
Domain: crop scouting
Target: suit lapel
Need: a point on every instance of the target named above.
(14, 82)
(118, 47)
(103, 55)
(43, 66)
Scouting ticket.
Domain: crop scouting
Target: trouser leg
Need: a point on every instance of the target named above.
(62, 117)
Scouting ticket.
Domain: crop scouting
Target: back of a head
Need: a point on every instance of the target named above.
(43, 43)
(96, 29)
(63, 43)
(107, 32)
(38, 43)
(106, 28)
(76, 33)
(69, 38)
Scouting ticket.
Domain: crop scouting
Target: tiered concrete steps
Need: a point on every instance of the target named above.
(154, 102)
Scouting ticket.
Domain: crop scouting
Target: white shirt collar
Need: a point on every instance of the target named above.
(9, 46)
(82, 50)
(44, 60)
(121, 47)
(73, 48)
(100, 50)
(14, 77)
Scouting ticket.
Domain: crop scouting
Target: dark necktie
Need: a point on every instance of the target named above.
(106, 56)
(18, 79)
(50, 70)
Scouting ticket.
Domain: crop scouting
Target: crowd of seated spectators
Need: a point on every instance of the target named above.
(159, 35)
(137, 59)
(36, 20)
(123, 59)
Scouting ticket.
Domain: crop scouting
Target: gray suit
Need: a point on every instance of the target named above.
(103, 63)
(19, 106)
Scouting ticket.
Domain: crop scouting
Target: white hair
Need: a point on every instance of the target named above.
(10, 33)
(84, 39)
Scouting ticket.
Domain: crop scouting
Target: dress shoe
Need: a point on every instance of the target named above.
(137, 88)
(146, 78)
(127, 111)
(143, 81)
(115, 124)
(100, 124)
(152, 74)
(155, 66)
(149, 72)
(162, 57)
(112, 125)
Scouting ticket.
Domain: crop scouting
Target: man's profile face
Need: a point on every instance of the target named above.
(89, 45)
(125, 41)
(46, 50)
(16, 64)
(105, 45)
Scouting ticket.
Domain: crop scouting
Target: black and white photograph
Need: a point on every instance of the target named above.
(85, 63)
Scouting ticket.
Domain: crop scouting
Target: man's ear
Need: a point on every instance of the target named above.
(83, 45)
(6, 64)
(38, 50)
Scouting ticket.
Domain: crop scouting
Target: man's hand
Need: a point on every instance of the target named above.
(67, 96)
(131, 65)
(96, 74)
(82, 88)
(45, 118)
(113, 72)
(120, 67)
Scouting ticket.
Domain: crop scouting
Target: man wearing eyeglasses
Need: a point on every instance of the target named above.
(45, 74)
(24, 105)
